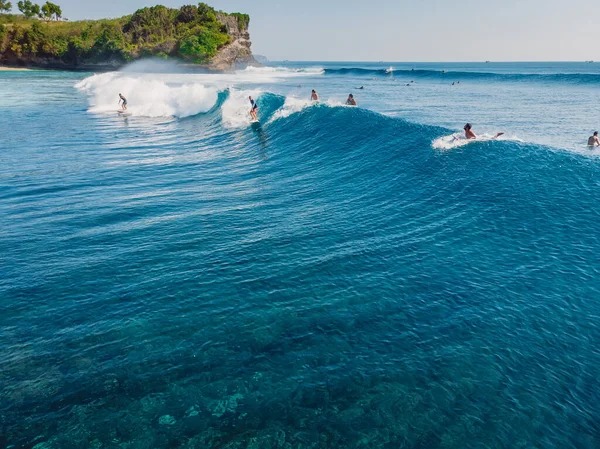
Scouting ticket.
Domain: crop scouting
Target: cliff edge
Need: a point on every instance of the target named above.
(237, 53)
(197, 35)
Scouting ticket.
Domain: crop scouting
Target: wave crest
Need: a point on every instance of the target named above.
(147, 96)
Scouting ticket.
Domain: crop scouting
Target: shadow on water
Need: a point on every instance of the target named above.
(263, 139)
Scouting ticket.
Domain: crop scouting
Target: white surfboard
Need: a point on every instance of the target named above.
(458, 140)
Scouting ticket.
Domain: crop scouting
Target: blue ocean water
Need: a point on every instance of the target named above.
(332, 277)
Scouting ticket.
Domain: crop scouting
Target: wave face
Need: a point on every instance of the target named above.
(331, 276)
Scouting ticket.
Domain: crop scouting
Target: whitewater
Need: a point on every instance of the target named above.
(432, 96)
(330, 277)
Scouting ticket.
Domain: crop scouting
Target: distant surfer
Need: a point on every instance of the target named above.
(593, 141)
(469, 134)
(314, 96)
(351, 101)
(123, 102)
(253, 109)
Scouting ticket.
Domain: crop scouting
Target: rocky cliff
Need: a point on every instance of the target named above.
(237, 53)
(196, 35)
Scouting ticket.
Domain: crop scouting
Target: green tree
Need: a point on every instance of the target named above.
(187, 13)
(202, 44)
(51, 10)
(28, 9)
(46, 13)
(5, 6)
(206, 13)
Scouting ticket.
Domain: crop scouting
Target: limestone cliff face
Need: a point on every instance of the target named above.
(237, 53)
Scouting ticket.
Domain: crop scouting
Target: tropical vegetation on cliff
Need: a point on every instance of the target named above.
(192, 33)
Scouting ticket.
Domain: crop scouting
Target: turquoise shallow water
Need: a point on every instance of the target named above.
(329, 278)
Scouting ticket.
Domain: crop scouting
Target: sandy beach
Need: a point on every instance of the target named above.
(8, 69)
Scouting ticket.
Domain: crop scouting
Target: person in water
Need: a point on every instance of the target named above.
(351, 101)
(469, 134)
(314, 96)
(593, 141)
(123, 102)
(254, 109)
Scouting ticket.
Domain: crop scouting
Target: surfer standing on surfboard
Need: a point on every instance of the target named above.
(254, 109)
(469, 134)
(124, 104)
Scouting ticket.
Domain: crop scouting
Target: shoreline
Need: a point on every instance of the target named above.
(4, 68)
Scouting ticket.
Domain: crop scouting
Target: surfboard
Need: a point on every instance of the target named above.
(254, 121)
(458, 140)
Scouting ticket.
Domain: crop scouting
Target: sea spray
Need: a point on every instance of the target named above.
(147, 96)
(236, 109)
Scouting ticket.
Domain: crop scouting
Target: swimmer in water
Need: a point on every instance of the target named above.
(314, 96)
(351, 101)
(469, 134)
(593, 141)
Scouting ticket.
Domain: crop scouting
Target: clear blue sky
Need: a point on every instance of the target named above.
(400, 30)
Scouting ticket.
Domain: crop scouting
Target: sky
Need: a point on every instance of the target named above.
(399, 30)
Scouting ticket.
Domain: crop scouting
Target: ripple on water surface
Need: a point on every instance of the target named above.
(324, 280)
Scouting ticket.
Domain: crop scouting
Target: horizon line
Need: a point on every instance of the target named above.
(590, 61)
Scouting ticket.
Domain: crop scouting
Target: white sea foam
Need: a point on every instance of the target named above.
(164, 89)
(148, 96)
(236, 109)
(291, 106)
(284, 71)
(457, 140)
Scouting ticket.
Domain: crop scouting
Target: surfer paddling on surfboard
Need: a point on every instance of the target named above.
(469, 134)
(123, 102)
(253, 110)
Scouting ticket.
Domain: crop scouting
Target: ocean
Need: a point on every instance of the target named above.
(331, 277)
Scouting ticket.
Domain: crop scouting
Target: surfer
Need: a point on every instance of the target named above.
(314, 96)
(124, 102)
(254, 109)
(469, 134)
(593, 141)
(351, 101)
